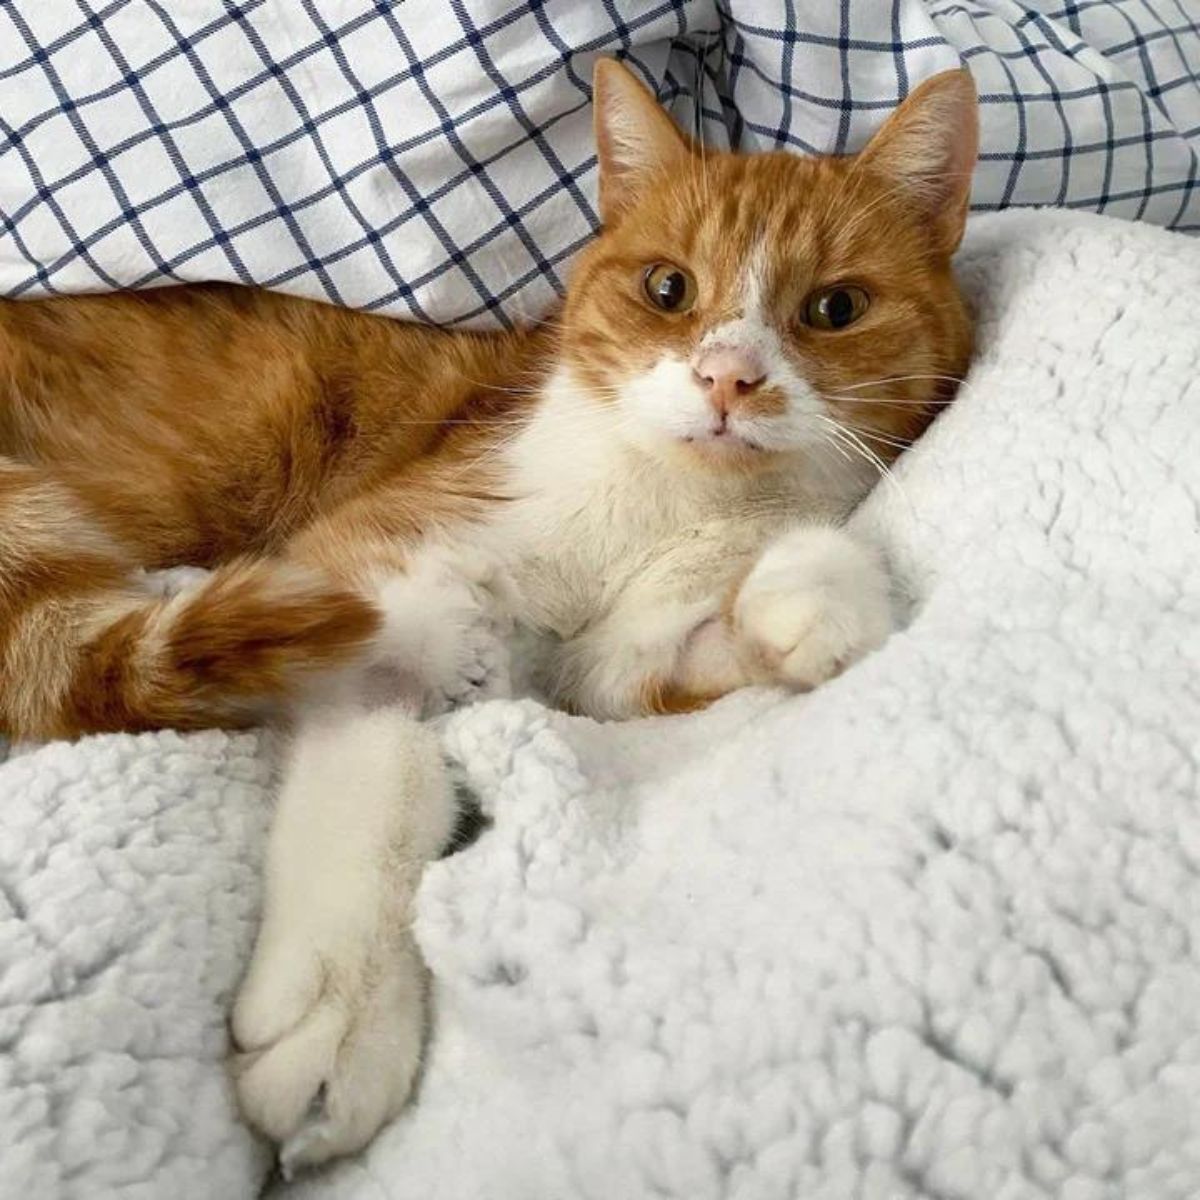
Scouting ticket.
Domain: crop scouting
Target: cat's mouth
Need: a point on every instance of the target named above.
(726, 439)
(724, 445)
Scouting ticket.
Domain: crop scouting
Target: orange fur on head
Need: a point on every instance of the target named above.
(884, 221)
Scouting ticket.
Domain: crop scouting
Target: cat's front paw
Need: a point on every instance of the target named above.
(329, 1044)
(815, 602)
(445, 633)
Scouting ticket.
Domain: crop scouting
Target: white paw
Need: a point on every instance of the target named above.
(330, 1045)
(446, 629)
(815, 602)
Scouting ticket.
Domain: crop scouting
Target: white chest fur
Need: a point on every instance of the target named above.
(590, 511)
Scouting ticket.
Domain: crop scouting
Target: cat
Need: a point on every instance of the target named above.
(654, 480)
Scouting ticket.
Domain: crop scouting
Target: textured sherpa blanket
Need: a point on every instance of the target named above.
(927, 932)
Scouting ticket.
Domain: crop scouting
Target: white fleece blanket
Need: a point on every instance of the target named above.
(927, 932)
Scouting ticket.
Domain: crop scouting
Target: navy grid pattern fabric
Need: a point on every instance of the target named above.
(433, 158)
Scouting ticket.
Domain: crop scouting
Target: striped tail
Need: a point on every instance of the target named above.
(82, 650)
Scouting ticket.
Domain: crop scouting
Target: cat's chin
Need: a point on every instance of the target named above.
(725, 449)
(718, 454)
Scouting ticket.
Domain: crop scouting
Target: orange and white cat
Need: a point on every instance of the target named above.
(653, 483)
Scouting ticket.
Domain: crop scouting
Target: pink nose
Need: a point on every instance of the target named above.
(726, 373)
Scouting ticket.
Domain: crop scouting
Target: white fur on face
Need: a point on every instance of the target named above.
(667, 404)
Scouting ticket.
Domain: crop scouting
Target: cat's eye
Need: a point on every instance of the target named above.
(669, 287)
(835, 307)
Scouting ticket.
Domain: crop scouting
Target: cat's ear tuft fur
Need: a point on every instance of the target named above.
(635, 138)
(928, 148)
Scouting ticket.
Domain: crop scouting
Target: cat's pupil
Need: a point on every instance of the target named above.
(671, 289)
(839, 308)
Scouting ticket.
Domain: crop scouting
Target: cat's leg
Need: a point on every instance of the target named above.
(442, 601)
(717, 612)
(665, 643)
(86, 646)
(330, 1018)
(816, 600)
(444, 631)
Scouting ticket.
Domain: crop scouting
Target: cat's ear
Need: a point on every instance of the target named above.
(635, 137)
(927, 149)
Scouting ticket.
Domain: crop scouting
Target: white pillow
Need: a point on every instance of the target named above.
(428, 162)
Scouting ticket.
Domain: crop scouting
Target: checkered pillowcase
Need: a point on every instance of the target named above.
(433, 158)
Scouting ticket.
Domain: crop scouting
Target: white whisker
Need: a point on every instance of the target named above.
(857, 387)
(853, 441)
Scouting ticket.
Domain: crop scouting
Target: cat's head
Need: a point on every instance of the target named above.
(740, 308)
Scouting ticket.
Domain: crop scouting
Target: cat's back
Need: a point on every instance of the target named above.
(166, 349)
(136, 358)
(250, 409)
(222, 357)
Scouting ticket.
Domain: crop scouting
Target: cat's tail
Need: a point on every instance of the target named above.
(84, 649)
